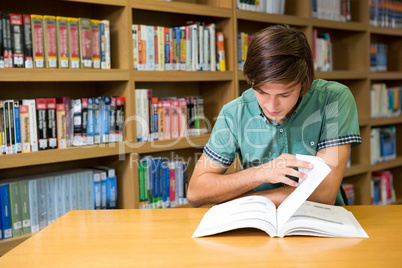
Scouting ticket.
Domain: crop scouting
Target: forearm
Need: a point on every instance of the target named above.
(213, 188)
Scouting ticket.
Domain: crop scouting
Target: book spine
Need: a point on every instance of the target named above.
(106, 24)
(85, 39)
(84, 120)
(165, 185)
(49, 26)
(15, 207)
(50, 200)
(32, 123)
(96, 44)
(28, 57)
(160, 120)
(25, 129)
(73, 43)
(73, 191)
(120, 118)
(166, 119)
(61, 126)
(58, 191)
(51, 123)
(103, 178)
(150, 48)
(37, 41)
(11, 142)
(172, 184)
(90, 122)
(105, 119)
(33, 205)
(113, 121)
(134, 30)
(17, 40)
(66, 193)
(17, 126)
(1, 50)
(25, 212)
(62, 41)
(221, 51)
(97, 137)
(6, 230)
(97, 190)
(7, 52)
(102, 45)
(77, 124)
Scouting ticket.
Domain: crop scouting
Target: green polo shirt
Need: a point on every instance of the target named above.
(326, 116)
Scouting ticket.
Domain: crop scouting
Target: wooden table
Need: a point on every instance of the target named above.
(162, 238)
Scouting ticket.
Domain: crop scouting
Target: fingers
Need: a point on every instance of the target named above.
(289, 160)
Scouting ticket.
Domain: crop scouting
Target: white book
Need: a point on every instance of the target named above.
(81, 181)
(51, 200)
(42, 202)
(58, 185)
(150, 47)
(33, 205)
(295, 216)
(134, 30)
(97, 190)
(89, 189)
(212, 45)
(73, 191)
(66, 193)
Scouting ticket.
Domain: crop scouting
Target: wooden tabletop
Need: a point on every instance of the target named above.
(162, 238)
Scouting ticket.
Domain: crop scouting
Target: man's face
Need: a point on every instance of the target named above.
(278, 101)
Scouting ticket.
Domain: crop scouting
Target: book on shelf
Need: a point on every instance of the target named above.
(61, 125)
(295, 216)
(17, 40)
(23, 187)
(85, 41)
(17, 126)
(73, 43)
(15, 205)
(51, 123)
(96, 44)
(5, 212)
(220, 52)
(383, 144)
(7, 41)
(50, 42)
(105, 44)
(25, 129)
(62, 41)
(382, 188)
(28, 57)
(31, 103)
(37, 41)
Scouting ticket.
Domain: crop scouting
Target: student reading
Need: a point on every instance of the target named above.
(286, 112)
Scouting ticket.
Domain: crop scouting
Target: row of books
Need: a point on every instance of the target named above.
(162, 183)
(385, 101)
(45, 41)
(349, 192)
(29, 204)
(383, 144)
(193, 47)
(322, 51)
(30, 125)
(338, 10)
(386, 13)
(265, 6)
(243, 40)
(168, 118)
(382, 188)
(378, 57)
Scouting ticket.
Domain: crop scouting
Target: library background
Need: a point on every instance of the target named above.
(108, 103)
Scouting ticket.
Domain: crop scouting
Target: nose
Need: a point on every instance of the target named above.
(272, 104)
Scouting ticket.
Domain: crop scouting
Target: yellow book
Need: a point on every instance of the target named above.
(49, 40)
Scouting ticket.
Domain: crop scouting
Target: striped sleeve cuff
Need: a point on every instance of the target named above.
(217, 158)
(339, 141)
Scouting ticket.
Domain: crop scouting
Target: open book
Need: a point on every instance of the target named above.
(295, 216)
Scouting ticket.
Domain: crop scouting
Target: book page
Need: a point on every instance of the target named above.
(246, 212)
(314, 177)
(322, 220)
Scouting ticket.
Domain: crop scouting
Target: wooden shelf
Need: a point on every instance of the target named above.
(342, 75)
(385, 31)
(101, 2)
(168, 145)
(62, 75)
(363, 122)
(9, 243)
(385, 75)
(376, 122)
(387, 165)
(272, 18)
(339, 25)
(181, 8)
(356, 170)
(62, 155)
(181, 76)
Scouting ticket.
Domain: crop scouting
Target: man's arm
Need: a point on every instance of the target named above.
(209, 184)
(336, 158)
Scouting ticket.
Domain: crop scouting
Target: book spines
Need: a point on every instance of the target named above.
(17, 40)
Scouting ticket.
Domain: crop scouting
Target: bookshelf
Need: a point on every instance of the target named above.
(351, 66)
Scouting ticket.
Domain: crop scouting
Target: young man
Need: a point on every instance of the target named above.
(286, 112)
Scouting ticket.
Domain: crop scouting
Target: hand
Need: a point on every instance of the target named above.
(275, 171)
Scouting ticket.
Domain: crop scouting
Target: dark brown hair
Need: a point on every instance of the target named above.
(279, 55)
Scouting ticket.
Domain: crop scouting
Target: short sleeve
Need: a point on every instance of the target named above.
(340, 121)
(222, 146)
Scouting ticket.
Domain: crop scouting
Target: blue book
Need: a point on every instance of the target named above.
(97, 122)
(17, 127)
(102, 45)
(97, 190)
(111, 186)
(6, 227)
(105, 119)
(165, 185)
